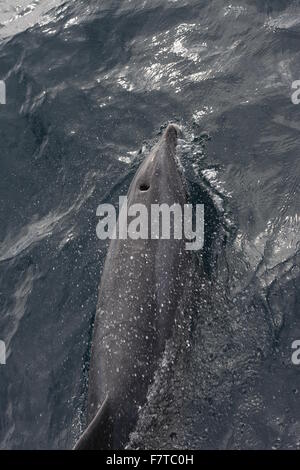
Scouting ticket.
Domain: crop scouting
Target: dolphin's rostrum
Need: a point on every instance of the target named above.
(142, 284)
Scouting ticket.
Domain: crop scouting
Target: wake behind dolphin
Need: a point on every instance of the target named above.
(141, 292)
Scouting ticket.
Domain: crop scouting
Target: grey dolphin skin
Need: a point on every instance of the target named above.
(142, 285)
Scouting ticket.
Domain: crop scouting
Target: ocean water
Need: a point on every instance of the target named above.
(89, 86)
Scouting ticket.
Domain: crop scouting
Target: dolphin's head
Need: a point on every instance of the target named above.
(159, 178)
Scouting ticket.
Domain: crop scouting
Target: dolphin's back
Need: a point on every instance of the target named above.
(141, 286)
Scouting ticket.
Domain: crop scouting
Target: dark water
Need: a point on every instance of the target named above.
(88, 84)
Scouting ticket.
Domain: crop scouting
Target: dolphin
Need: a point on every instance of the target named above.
(142, 286)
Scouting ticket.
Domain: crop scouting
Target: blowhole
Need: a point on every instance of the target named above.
(144, 187)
